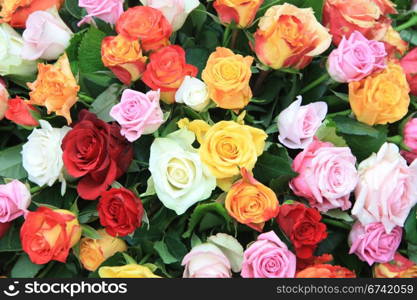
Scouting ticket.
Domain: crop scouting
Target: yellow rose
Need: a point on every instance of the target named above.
(382, 97)
(93, 252)
(241, 12)
(227, 77)
(395, 42)
(55, 88)
(226, 147)
(127, 271)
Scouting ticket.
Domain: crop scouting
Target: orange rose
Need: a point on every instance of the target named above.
(400, 267)
(289, 36)
(325, 271)
(55, 88)
(166, 71)
(227, 77)
(241, 12)
(394, 44)
(124, 57)
(370, 17)
(146, 24)
(382, 97)
(16, 12)
(250, 202)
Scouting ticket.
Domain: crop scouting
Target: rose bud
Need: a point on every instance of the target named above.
(93, 252)
(107, 10)
(14, 200)
(21, 112)
(124, 57)
(250, 202)
(268, 257)
(325, 271)
(127, 271)
(49, 234)
(290, 37)
(399, 267)
(240, 12)
(409, 65)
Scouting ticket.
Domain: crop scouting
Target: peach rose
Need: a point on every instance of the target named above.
(241, 12)
(55, 88)
(289, 36)
(227, 76)
(382, 97)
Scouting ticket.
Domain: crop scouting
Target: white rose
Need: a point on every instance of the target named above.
(180, 177)
(42, 155)
(175, 11)
(194, 93)
(11, 62)
(230, 247)
(46, 36)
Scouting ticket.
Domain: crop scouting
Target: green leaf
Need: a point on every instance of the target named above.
(346, 125)
(410, 226)
(316, 5)
(195, 240)
(330, 243)
(412, 252)
(129, 259)
(11, 163)
(199, 17)
(114, 261)
(11, 241)
(327, 133)
(90, 232)
(339, 215)
(89, 213)
(198, 57)
(72, 50)
(73, 8)
(89, 52)
(104, 103)
(175, 246)
(94, 84)
(164, 253)
(24, 268)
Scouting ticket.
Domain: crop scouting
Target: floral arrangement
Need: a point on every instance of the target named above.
(225, 138)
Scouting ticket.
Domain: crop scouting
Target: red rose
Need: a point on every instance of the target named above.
(4, 228)
(20, 112)
(302, 225)
(409, 64)
(97, 152)
(120, 211)
(48, 234)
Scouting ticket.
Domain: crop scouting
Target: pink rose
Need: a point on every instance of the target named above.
(175, 11)
(4, 98)
(138, 113)
(410, 140)
(14, 200)
(371, 243)
(298, 124)
(387, 188)
(106, 10)
(206, 261)
(268, 257)
(356, 58)
(46, 36)
(327, 175)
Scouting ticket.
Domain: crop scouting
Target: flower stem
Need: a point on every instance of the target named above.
(337, 223)
(397, 139)
(260, 80)
(411, 22)
(315, 83)
(36, 189)
(235, 34)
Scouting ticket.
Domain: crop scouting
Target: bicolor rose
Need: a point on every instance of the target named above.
(409, 65)
(106, 10)
(325, 271)
(240, 12)
(194, 93)
(14, 200)
(399, 267)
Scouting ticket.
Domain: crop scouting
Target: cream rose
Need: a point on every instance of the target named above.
(193, 93)
(180, 177)
(230, 247)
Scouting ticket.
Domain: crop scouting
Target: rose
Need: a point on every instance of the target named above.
(387, 188)
(394, 44)
(240, 12)
(4, 228)
(127, 271)
(230, 247)
(106, 10)
(206, 261)
(124, 57)
(250, 202)
(356, 58)
(410, 140)
(327, 175)
(325, 271)
(227, 76)
(399, 267)
(120, 211)
(46, 36)
(372, 244)
(93, 252)
(21, 112)
(146, 24)
(226, 147)
(298, 124)
(179, 176)
(95, 151)
(16, 12)
(414, 5)
(370, 17)
(289, 37)
(409, 65)
(194, 93)
(138, 114)
(268, 257)
(55, 88)
(382, 97)
(166, 71)
(42, 155)
(11, 62)
(4, 98)
(49, 234)
(175, 11)
(302, 225)
(14, 200)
